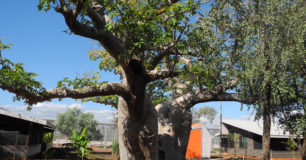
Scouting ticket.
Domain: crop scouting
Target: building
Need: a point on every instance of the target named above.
(200, 142)
(21, 136)
(214, 131)
(240, 137)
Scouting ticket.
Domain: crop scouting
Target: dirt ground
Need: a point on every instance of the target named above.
(215, 156)
(69, 154)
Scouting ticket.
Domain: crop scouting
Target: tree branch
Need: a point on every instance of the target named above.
(97, 32)
(78, 8)
(90, 91)
(164, 51)
(156, 75)
(217, 93)
(294, 143)
(191, 98)
(76, 27)
(96, 13)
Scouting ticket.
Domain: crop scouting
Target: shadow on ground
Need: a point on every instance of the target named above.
(70, 154)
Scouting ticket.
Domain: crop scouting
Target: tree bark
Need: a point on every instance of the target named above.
(137, 117)
(266, 125)
(174, 125)
(137, 136)
(175, 119)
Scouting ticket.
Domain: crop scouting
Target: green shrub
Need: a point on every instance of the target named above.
(115, 148)
(80, 143)
(47, 139)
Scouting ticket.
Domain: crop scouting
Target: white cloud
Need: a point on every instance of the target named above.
(76, 106)
(49, 111)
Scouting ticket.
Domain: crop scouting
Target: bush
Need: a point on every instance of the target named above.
(115, 148)
(80, 143)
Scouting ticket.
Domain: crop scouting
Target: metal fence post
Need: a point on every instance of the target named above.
(16, 142)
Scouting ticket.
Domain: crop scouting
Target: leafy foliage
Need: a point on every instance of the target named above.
(75, 119)
(150, 28)
(107, 63)
(115, 148)
(13, 76)
(292, 118)
(88, 79)
(141, 24)
(80, 143)
(268, 40)
(47, 139)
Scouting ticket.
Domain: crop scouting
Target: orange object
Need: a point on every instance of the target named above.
(194, 144)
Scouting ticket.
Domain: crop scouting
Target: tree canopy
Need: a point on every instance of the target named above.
(75, 119)
(208, 113)
(268, 38)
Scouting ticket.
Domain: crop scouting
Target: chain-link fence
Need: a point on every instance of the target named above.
(108, 130)
(13, 145)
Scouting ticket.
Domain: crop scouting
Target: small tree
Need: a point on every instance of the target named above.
(75, 119)
(115, 149)
(80, 143)
(47, 139)
(207, 112)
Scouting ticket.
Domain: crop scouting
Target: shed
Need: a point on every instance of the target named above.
(248, 139)
(20, 135)
(199, 144)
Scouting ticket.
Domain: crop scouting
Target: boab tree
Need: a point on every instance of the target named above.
(147, 41)
(271, 59)
(139, 35)
(203, 78)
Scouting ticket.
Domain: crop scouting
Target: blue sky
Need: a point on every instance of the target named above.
(40, 43)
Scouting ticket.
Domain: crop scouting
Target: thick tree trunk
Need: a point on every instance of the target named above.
(137, 135)
(137, 117)
(175, 119)
(174, 125)
(266, 127)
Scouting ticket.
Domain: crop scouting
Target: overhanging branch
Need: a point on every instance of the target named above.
(164, 51)
(217, 93)
(76, 27)
(90, 91)
(97, 32)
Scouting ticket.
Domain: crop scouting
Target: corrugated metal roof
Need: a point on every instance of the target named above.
(256, 127)
(23, 117)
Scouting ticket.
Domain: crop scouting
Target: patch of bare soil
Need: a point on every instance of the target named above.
(69, 154)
